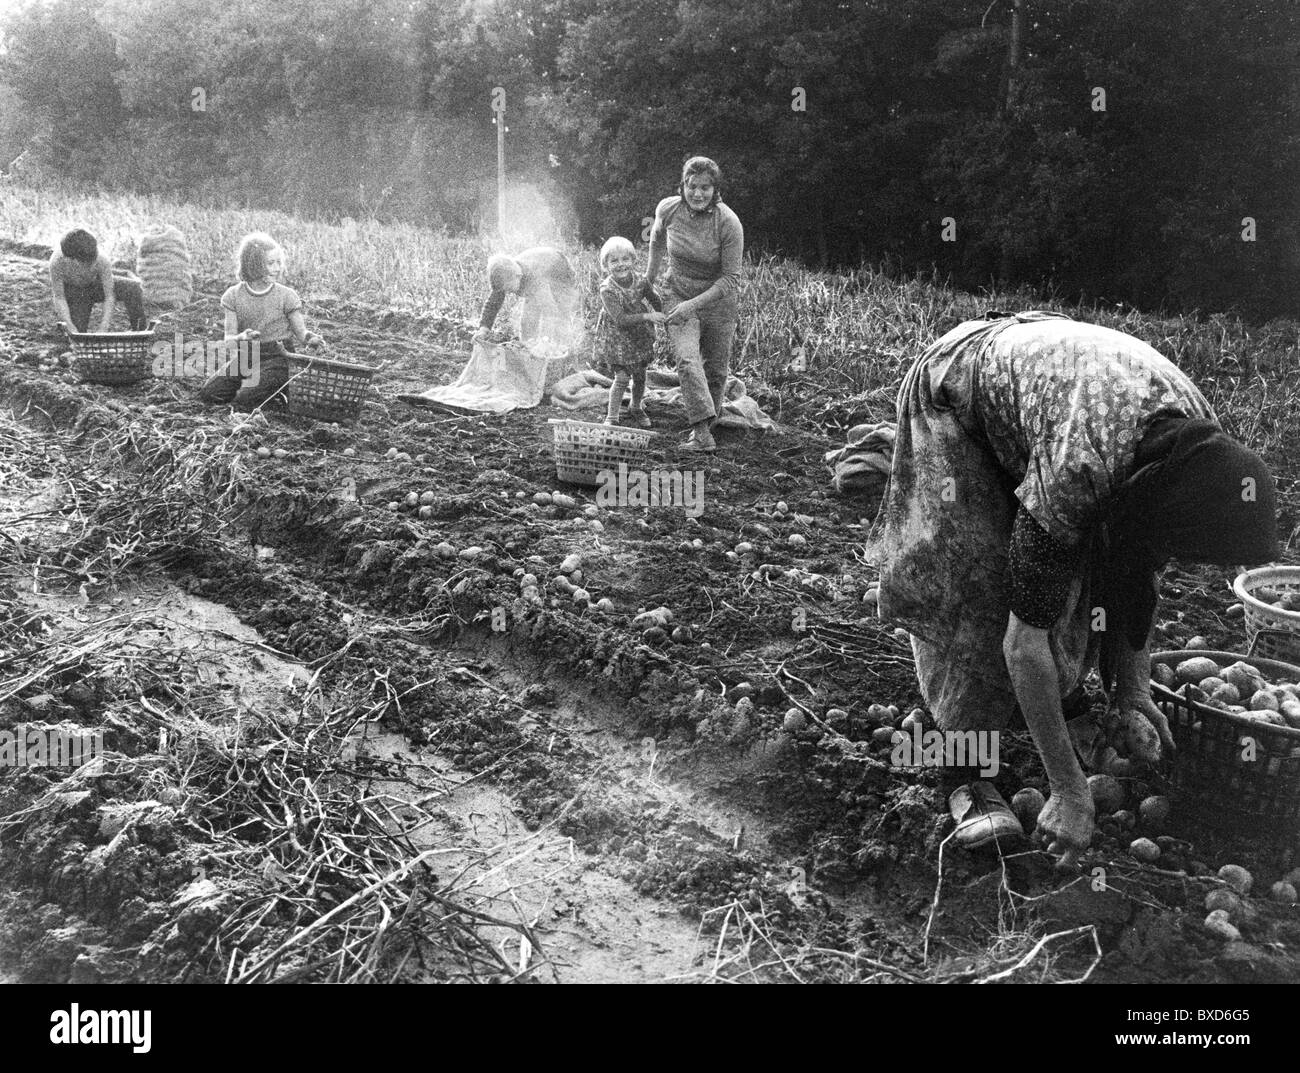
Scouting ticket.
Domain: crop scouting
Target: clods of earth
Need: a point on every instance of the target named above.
(386, 701)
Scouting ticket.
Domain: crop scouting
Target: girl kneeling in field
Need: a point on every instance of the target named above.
(625, 334)
(262, 309)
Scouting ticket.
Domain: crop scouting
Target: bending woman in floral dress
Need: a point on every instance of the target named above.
(1042, 468)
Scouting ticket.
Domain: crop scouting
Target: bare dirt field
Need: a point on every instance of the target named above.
(329, 759)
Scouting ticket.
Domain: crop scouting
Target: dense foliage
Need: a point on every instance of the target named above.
(893, 132)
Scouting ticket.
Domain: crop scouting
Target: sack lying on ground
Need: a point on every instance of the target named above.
(861, 466)
(588, 389)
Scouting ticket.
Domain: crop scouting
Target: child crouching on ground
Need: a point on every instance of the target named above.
(625, 333)
(263, 309)
(81, 276)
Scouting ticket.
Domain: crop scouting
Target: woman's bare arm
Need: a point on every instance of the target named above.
(1068, 815)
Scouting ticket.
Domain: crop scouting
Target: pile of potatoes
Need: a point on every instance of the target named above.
(1285, 601)
(1240, 689)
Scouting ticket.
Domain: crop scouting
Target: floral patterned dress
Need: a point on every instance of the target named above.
(621, 345)
(1034, 410)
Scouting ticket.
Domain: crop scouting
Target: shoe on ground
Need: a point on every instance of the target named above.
(700, 440)
(983, 817)
(639, 418)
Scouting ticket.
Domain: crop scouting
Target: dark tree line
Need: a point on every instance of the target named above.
(1109, 149)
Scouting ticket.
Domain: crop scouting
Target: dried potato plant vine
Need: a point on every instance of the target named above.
(256, 826)
(156, 491)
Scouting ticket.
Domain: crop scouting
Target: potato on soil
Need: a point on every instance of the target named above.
(264, 452)
(794, 721)
(1237, 878)
(1107, 793)
(1282, 891)
(1218, 923)
(1229, 901)
(1154, 812)
(1143, 849)
(1027, 804)
(426, 498)
(660, 617)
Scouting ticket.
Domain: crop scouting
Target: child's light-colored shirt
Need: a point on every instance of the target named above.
(265, 313)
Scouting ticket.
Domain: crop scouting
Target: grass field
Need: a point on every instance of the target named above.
(860, 329)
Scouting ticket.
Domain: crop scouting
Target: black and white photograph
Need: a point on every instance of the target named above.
(651, 492)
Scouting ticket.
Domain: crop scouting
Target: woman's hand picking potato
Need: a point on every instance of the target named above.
(1067, 820)
(1146, 729)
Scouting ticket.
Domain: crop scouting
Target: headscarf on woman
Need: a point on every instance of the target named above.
(1197, 495)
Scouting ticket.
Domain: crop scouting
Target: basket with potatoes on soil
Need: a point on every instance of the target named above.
(1270, 596)
(1236, 725)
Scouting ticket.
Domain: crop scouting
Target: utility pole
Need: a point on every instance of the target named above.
(499, 118)
(1015, 45)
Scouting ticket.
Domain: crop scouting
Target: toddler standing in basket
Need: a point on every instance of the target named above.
(262, 309)
(625, 332)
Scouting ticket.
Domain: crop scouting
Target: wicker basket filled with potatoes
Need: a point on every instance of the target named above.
(1236, 724)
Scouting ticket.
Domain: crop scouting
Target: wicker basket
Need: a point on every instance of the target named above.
(325, 389)
(583, 449)
(112, 357)
(1271, 632)
(1212, 785)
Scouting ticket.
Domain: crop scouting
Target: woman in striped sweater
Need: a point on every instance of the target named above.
(704, 242)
